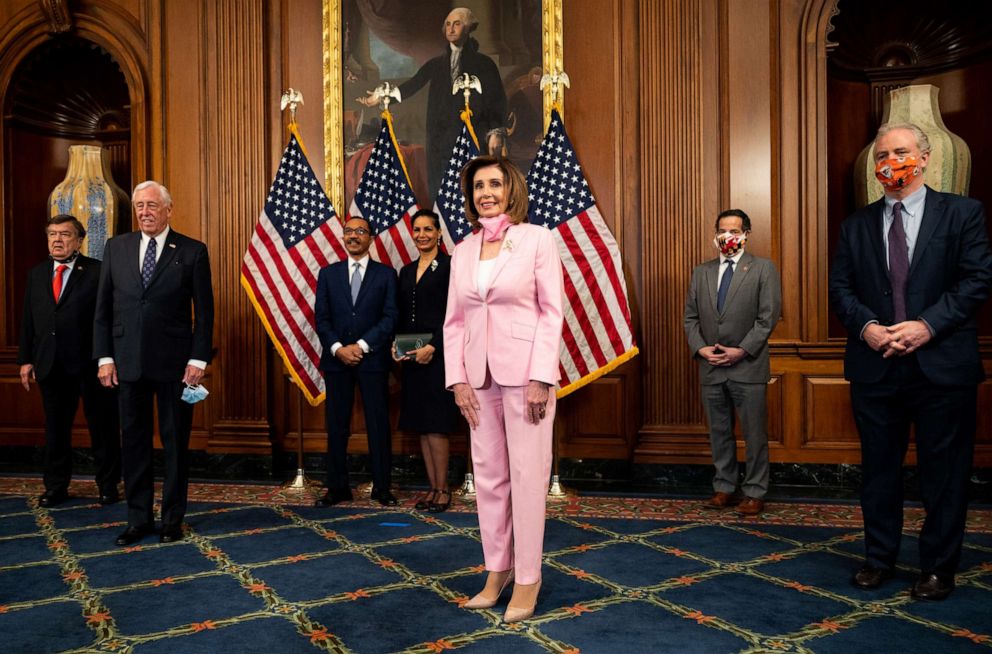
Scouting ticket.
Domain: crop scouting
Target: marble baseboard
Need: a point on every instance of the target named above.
(600, 476)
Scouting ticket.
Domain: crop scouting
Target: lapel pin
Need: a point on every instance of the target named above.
(172, 245)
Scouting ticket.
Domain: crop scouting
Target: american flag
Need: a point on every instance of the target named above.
(450, 203)
(597, 335)
(297, 234)
(385, 199)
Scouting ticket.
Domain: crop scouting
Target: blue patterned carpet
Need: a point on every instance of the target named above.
(262, 572)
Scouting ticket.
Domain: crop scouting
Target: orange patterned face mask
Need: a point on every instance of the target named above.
(897, 172)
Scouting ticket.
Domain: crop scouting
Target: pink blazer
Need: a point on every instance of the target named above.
(516, 328)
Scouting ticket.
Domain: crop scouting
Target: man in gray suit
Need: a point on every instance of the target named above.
(730, 311)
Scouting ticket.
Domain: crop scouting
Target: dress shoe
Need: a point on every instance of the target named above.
(480, 601)
(132, 535)
(171, 534)
(751, 506)
(384, 496)
(518, 613)
(441, 507)
(106, 499)
(869, 577)
(49, 499)
(425, 502)
(932, 587)
(720, 501)
(335, 496)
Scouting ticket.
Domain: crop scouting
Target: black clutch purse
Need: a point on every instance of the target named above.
(407, 342)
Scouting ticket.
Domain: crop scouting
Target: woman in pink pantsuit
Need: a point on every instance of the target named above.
(502, 334)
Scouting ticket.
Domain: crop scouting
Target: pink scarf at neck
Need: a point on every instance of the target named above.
(495, 226)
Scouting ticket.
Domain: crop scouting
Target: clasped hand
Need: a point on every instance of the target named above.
(350, 355)
(722, 355)
(897, 340)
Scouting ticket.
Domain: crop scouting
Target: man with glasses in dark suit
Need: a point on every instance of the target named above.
(356, 311)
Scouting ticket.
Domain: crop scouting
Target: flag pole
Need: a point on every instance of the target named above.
(299, 483)
(466, 84)
(558, 81)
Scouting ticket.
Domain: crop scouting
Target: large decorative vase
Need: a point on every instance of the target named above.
(949, 168)
(89, 193)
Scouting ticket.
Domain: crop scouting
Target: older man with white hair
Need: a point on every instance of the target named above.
(152, 335)
(909, 275)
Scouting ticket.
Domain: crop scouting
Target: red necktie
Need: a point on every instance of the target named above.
(57, 281)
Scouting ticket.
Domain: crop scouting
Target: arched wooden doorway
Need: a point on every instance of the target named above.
(65, 91)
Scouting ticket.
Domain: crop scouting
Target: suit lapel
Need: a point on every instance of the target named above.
(511, 241)
(933, 210)
(741, 271)
(474, 245)
(134, 258)
(169, 252)
(712, 273)
(875, 229)
(370, 270)
(74, 280)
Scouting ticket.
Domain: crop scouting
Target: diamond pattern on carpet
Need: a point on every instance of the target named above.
(257, 571)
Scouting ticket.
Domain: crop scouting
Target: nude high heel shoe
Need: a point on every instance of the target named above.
(517, 613)
(480, 601)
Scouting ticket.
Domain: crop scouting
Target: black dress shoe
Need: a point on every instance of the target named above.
(932, 587)
(425, 502)
(171, 534)
(49, 499)
(332, 497)
(132, 535)
(106, 499)
(384, 497)
(869, 577)
(441, 507)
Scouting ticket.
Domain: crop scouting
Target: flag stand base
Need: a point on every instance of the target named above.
(467, 489)
(300, 483)
(558, 491)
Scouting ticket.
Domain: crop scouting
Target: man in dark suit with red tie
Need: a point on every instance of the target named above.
(56, 351)
(910, 273)
(355, 311)
(153, 335)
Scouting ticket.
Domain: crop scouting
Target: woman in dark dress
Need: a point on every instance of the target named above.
(426, 407)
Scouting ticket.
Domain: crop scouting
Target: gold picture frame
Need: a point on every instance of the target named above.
(551, 57)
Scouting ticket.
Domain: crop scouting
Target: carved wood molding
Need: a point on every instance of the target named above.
(57, 14)
(237, 181)
(73, 88)
(672, 202)
(877, 44)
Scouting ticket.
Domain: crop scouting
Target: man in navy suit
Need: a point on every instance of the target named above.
(908, 278)
(56, 350)
(152, 284)
(356, 314)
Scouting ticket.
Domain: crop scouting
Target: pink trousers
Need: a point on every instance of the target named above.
(512, 461)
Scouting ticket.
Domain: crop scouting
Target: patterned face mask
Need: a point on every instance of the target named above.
(729, 243)
(897, 172)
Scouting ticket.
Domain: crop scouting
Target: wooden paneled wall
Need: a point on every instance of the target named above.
(678, 108)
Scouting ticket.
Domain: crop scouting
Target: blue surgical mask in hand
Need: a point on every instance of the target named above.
(194, 394)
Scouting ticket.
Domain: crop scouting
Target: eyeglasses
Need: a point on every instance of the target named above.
(358, 231)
